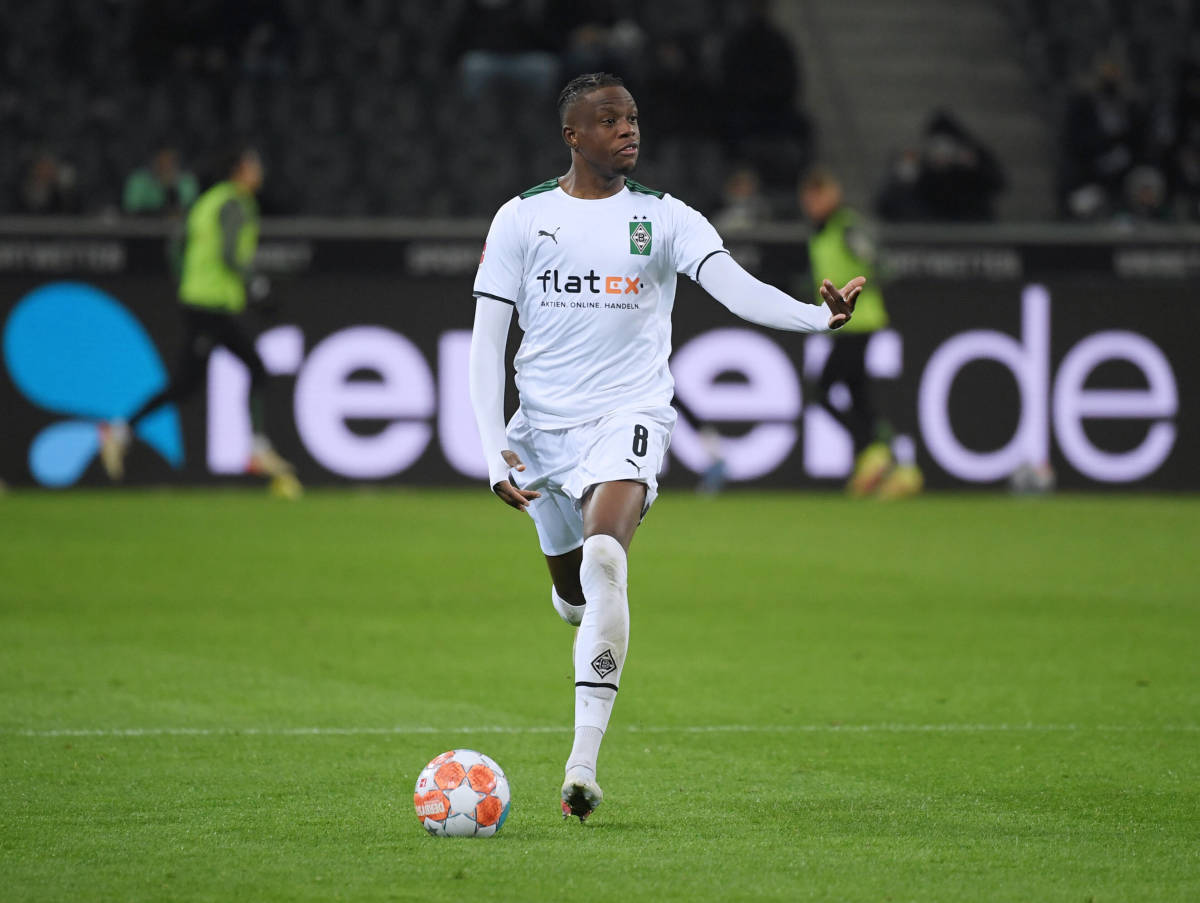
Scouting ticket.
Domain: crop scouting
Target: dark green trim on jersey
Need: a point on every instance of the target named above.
(548, 185)
(642, 189)
(551, 184)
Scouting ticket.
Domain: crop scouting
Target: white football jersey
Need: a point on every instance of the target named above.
(593, 282)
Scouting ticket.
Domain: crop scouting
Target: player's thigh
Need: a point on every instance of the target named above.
(194, 350)
(617, 477)
(615, 509)
(238, 341)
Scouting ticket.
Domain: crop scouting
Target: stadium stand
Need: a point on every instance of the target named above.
(359, 105)
(1120, 82)
(367, 108)
(879, 70)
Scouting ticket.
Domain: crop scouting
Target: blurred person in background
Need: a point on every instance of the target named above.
(48, 187)
(163, 188)
(598, 36)
(951, 176)
(1144, 197)
(899, 200)
(1184, 153)
(840, 243)
(160, 188)
(503, 43)
(216, 282)
(744, 203)
(1103, 134)
(760, 77)
(672, 90)
(960, 177)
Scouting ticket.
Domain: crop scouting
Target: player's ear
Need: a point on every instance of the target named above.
(569, 137)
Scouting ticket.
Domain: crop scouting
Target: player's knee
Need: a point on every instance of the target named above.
(608, 555)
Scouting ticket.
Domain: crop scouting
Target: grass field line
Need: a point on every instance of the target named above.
(403, 730)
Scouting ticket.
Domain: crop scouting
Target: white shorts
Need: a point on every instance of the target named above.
(564, 464)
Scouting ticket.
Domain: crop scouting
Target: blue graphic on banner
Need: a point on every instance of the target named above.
(75, 350)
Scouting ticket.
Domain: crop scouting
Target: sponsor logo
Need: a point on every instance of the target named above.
(635, 464)
(604, 664)
(640, 237)
(431, 808)
(75, 350)
(553, 236)
(567, 283)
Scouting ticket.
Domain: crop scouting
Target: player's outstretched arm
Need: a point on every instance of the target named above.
(486, 378)
(755, 301)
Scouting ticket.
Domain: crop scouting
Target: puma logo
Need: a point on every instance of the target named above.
(635, 464)
(553, 236)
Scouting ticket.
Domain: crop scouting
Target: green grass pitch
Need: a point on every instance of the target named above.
(221, 696)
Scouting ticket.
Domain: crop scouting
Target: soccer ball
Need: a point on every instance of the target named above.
(462, 793)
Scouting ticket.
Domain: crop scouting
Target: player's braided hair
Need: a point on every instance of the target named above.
(585, 84)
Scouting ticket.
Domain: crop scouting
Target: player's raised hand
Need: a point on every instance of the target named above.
(841, 303)
(510, 494)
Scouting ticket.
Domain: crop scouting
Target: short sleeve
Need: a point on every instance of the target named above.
(695, 240)
(501, 265)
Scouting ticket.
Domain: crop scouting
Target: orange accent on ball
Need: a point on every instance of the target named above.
(431, 805)
(481, 778)
(449, 775)
(489, 810)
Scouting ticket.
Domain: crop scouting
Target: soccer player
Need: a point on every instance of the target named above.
(841, 246)
(589, 261)
(222, 237)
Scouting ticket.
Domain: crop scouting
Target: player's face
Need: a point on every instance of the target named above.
(603, 128)
(820, 201)
(250, 170)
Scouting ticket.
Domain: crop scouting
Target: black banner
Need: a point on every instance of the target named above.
(1002, 353)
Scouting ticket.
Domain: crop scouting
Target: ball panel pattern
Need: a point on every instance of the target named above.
(462, 793)
(481, 778)
(489, 810)
(449, 775)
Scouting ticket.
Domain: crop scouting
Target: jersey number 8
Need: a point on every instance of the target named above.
(641, 439)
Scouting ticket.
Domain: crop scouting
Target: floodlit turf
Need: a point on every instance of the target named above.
(221, 696)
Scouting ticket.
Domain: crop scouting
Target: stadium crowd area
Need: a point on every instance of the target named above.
(376, 107)
(1122, 83)
(392, 108)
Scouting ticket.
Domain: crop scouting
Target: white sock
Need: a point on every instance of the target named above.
(600, 644)
(572, 614)
(586, 749)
